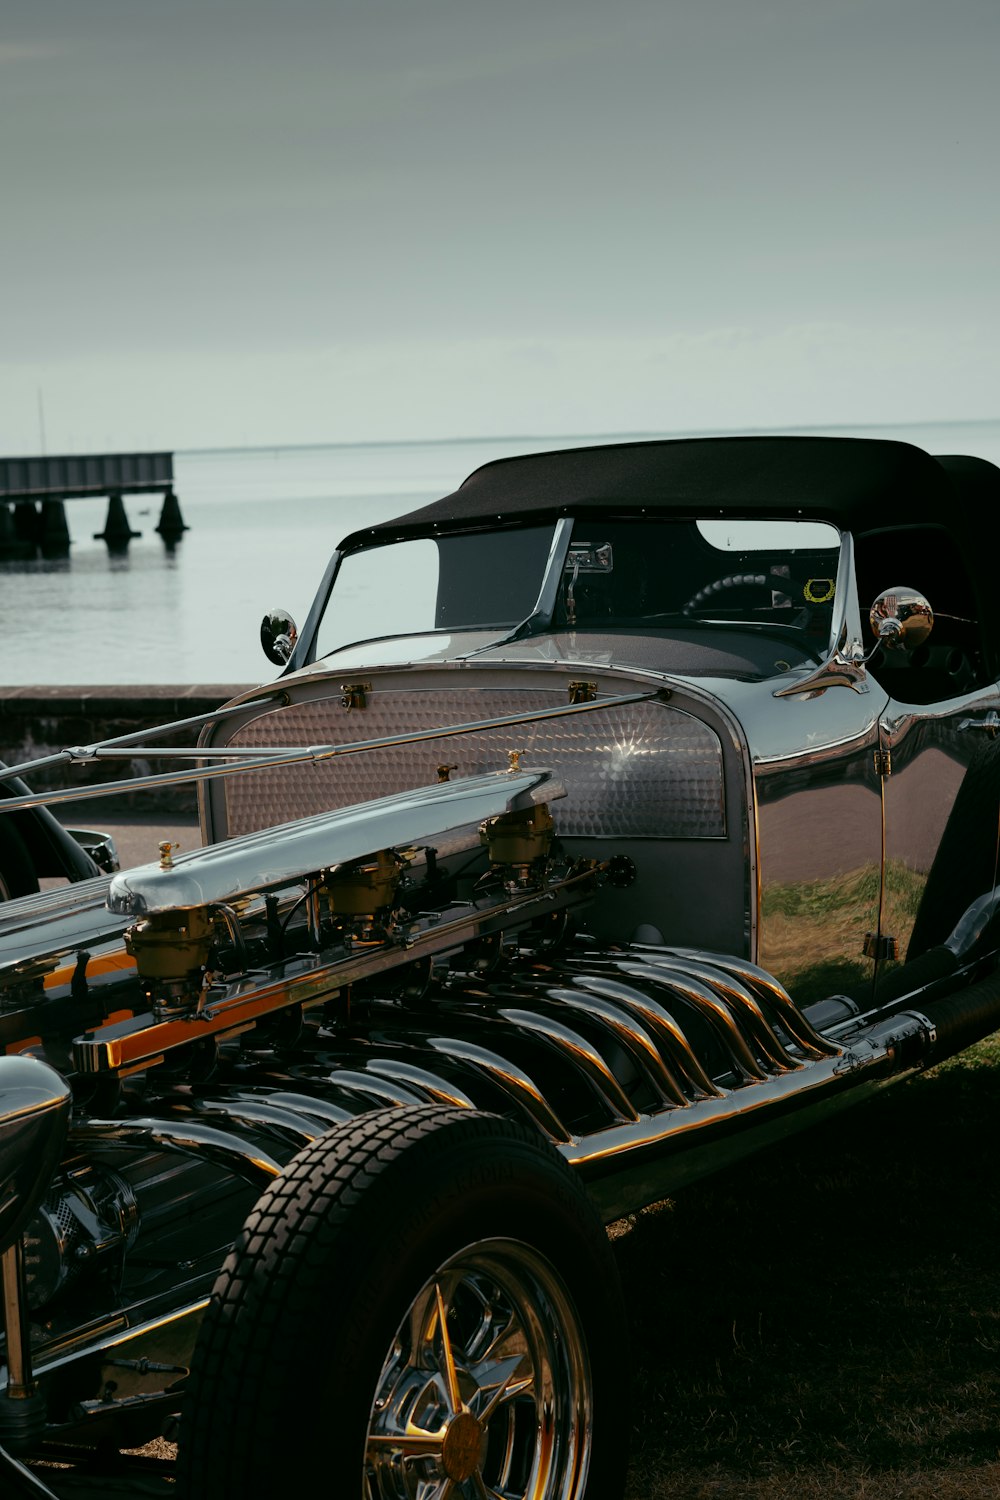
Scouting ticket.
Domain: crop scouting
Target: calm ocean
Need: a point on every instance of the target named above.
(263, 522)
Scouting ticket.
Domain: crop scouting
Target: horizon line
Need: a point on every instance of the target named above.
(620, 436)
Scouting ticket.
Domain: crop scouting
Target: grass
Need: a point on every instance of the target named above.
(825, 1320)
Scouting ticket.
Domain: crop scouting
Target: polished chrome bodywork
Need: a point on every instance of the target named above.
(766, 887)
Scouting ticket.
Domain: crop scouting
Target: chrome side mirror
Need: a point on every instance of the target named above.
(278, 634)
(901, 619)
(34, 1114)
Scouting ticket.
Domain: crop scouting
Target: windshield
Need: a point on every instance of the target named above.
(643, 573)
(468, 582)
(647, 575)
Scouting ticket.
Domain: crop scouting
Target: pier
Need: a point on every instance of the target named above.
(34, 492)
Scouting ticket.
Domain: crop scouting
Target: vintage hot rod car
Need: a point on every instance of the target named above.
(610, 818)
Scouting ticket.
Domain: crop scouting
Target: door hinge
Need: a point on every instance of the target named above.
(880, 947)
(883, 762)
(355, 694)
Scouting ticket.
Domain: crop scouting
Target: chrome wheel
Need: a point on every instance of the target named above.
(423, 1306)
(486, 1391)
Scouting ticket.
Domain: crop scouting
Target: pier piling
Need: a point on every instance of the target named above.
(12, 544)
(27, 523)
(54, 540)
(117, 531)
(171, 524)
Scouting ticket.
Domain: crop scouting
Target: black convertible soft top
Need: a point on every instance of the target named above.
(859, 484)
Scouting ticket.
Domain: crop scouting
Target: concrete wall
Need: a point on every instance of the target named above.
(38, 721)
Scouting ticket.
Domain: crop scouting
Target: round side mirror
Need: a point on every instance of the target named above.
(278, 634)
(902, 619)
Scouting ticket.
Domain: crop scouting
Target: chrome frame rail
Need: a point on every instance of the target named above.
(85, 755)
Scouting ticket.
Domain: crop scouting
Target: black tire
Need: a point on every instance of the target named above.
(17, 873)
(404, 1252)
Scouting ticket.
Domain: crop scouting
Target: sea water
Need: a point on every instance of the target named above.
(263, 523)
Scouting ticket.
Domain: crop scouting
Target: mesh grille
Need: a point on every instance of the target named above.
(644, 770)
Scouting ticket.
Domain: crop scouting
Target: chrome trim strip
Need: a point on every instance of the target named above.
(759, 1108)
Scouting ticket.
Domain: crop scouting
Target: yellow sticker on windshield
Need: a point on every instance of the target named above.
(819, 590)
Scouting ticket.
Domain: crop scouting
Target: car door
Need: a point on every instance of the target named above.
(941, 789)
(819, 829)
(940, 752)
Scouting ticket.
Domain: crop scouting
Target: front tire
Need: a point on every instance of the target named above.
(424, 1305)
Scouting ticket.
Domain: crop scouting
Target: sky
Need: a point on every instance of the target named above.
(235, 222)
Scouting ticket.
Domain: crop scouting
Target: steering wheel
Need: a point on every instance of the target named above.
(813, 591)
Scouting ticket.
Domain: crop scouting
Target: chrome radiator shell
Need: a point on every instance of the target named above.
(642, 770)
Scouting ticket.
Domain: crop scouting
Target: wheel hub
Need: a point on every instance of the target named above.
(463, 1446)
(486, 1366)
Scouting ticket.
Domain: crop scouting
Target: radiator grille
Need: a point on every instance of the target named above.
(642, 770)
